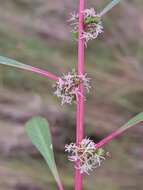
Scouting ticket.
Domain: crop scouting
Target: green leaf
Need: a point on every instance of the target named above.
(132, 122)
(13, 63)
(100, 151)
(38, 130)
(92, 19)
(74, 35)
(137, 120)
(109, 7)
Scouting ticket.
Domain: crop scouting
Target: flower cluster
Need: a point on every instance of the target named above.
(86, 154)
(92, 24)
(67, 87)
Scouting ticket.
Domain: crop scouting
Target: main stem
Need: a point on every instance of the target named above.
(80, 100)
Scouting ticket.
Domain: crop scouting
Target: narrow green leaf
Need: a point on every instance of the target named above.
(109, 7)
(38, 130)
(137, 120)
(13, 63)
(132, 122)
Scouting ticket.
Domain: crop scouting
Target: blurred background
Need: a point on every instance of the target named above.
(36, 32)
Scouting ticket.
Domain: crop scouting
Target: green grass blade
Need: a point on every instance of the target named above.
(38, 130)
(109, 7)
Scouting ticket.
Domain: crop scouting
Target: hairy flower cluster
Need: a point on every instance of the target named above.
(86, 154)
(67, 87)
(92, 24)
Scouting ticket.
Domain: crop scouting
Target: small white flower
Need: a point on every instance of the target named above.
(89, 12)
(96, 30)
(86, 153)
(67, 87)
(92, 24)
(74, 17)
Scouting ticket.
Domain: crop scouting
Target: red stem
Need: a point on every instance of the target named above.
(80, 100)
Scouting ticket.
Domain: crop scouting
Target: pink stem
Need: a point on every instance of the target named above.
(60, 186)
(42, 72)
(115, 134)
(80, 99)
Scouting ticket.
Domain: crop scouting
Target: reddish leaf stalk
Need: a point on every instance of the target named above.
(80, 100)
(60, 185)
(42, 72)
(13, 63)
(116, 133)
